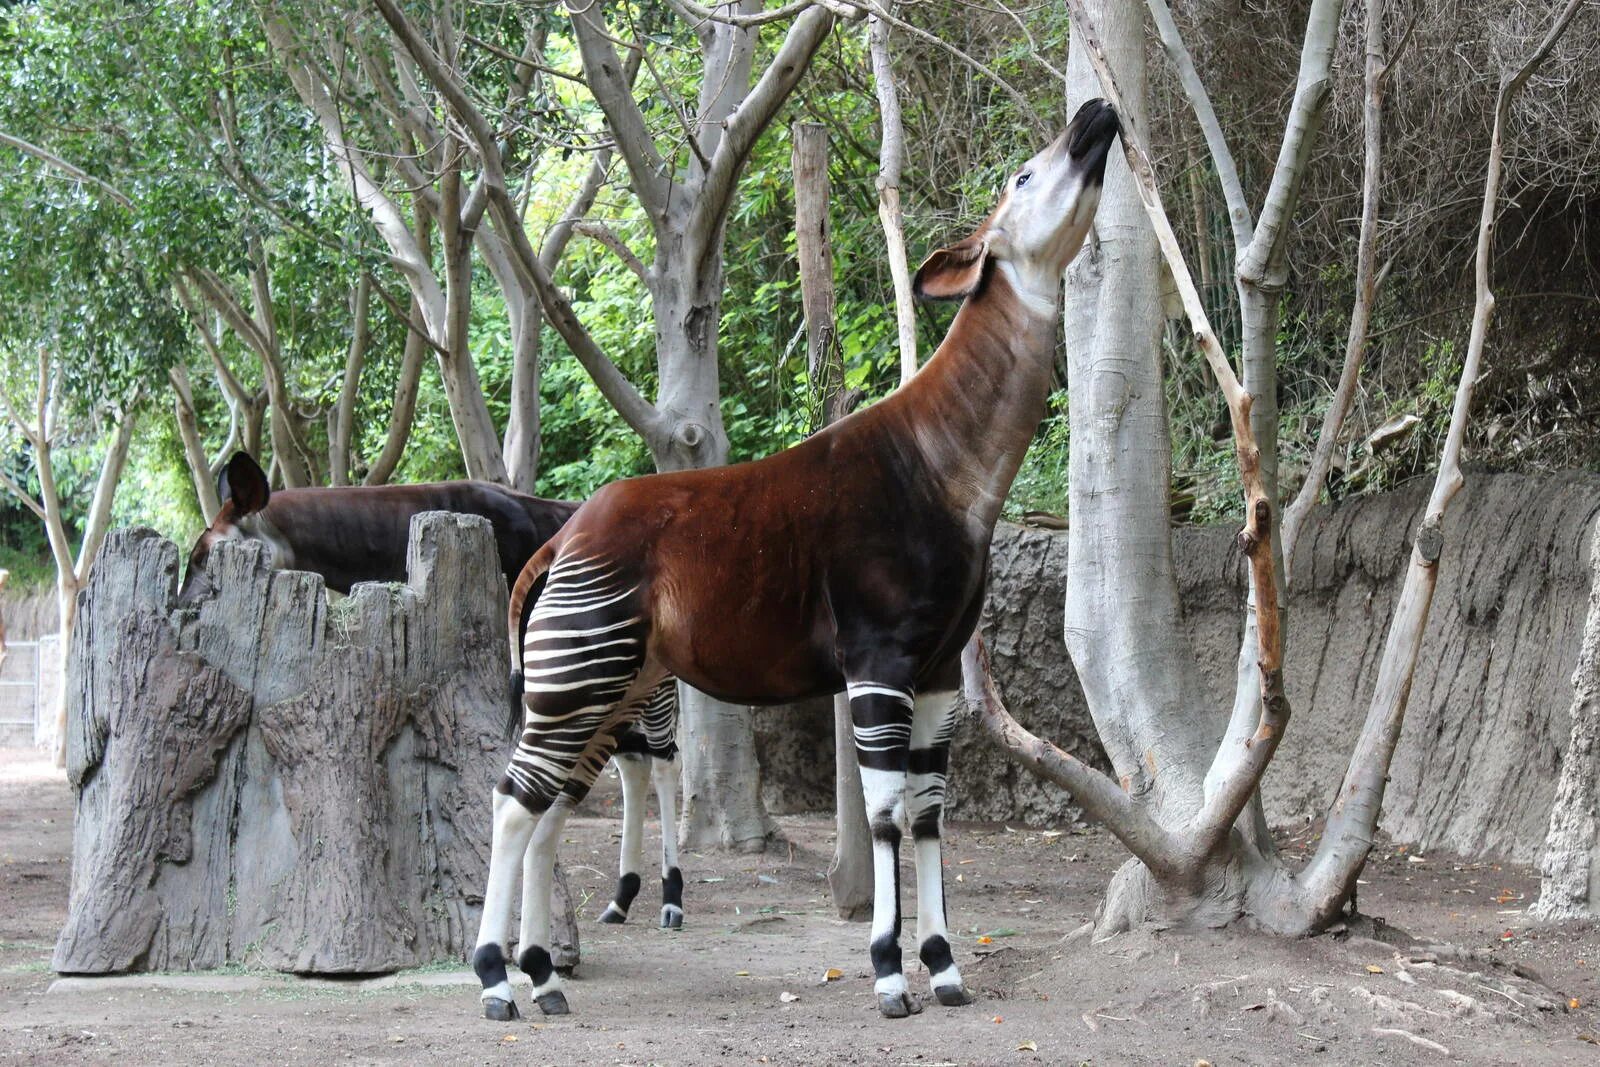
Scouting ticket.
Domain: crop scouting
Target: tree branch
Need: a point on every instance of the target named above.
(49, 158)
(891, 153)
(602, 69)
(599, 231)
(1353, 817)
(1355, 349)
(755, 113)
(1100, 797)
(1200, 101)
(22, 495)
(1261, 260)
(613, 384)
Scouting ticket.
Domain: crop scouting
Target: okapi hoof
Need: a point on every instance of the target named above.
(500, 1011)
(554, 1003)
(898, 1005)
(613, 916)
(671, 917)
(952, 996)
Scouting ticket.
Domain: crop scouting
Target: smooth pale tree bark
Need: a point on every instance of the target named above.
(444, 304)
(1355, 350)
(850, 872)
(72, 571)
(342, 417)
(891, 155)
(205, 488)
(1195, 862)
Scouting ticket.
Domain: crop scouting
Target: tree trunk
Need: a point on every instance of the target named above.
(342, 424)
(1571, 885)
(850, 872)
(272, 780)
(205, 487)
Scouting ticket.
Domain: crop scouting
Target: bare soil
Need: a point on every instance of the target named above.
(760, 927)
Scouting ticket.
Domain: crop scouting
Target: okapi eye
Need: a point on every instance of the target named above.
(1022, 179)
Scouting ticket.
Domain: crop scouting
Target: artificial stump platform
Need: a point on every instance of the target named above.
(273, 780)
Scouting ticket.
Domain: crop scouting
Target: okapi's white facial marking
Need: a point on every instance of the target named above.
(1049, 206)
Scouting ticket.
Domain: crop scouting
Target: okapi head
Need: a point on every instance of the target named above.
(1041, 221)
(243, 490)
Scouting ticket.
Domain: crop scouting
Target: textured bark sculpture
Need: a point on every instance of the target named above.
(278, 781)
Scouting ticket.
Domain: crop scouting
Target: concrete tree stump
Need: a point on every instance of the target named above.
(276, 781)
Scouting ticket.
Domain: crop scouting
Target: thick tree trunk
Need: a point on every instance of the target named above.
(273, 780)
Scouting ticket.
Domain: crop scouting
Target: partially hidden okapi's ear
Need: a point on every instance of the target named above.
(245, 483)
(953, 273)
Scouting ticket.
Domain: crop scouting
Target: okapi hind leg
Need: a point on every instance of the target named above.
(533, 943)
(932, 723)
(513, 829)
(881, 715)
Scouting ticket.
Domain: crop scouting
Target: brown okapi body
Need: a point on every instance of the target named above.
(352, 534)
(854, 561)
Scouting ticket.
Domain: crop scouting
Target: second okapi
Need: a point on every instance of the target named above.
(353, 534)
(854, 561)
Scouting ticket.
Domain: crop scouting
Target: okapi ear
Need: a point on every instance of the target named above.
(245, 483)
(953, 273)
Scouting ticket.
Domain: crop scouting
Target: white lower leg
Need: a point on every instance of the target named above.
(884, 792)
(665, 775)
(533, 945)
(936, 956)
(635, 773)
(513, 828)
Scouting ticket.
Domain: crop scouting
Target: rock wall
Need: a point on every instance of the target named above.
(274, 780)
(1477, 763)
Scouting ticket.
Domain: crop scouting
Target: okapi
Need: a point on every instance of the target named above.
(854, 561)
(359, 534)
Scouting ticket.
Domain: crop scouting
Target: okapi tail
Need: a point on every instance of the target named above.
(524, 594)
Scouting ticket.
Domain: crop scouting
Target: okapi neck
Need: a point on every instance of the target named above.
(974, 409)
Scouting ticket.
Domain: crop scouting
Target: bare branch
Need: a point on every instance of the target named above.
(599, 231)
(891, 153)
(614, 93)
(49, 158)
(1221, 156)
(98, 521)
(755, 113)
(1100, 797)
(1353, 817)
(1258, 263)
(1355, 348)
(22, 494)
(194, 453)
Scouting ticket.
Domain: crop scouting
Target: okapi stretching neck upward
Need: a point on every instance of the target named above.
(854, 561)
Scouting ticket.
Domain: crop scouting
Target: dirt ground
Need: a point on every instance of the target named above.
(743, 981)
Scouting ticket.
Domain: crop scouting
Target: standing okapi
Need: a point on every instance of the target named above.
(854, 561)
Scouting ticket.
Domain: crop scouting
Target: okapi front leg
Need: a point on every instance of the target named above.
(881, 717)
(932, 723)
(635, 772)
(665, 772)
(659, 724)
